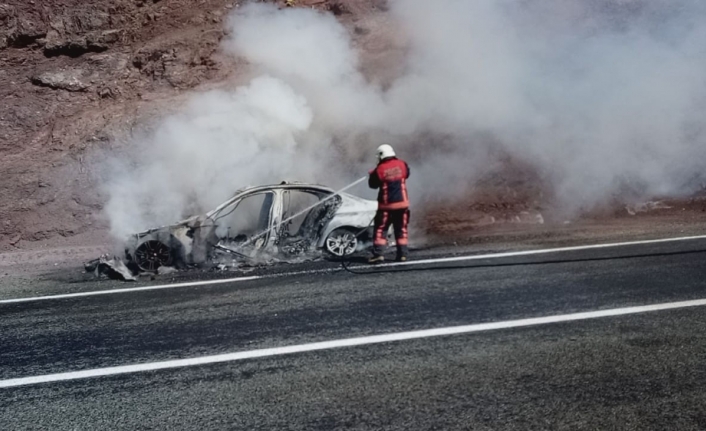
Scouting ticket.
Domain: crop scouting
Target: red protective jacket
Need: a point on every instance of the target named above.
(390, 176)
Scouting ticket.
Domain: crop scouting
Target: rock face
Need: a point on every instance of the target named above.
(69, 80)
(18, 29)
(78, 76)
(74, 76)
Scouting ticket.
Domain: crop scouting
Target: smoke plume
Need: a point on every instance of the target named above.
(597, 95)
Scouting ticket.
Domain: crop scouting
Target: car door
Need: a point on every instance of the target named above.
(305, 215)
(298, 206)
(246, 223)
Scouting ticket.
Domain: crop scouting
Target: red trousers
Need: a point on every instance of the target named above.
(399, 219)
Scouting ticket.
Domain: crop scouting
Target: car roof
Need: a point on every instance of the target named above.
(283, 186)
(271, 187)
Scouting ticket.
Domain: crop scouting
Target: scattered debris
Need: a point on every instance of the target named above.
(15, 239)
(113, 268)
(529, 217)
(645, 207)
(166, 270)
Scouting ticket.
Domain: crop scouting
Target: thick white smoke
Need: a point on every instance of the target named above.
(216, 145)
(598, 95)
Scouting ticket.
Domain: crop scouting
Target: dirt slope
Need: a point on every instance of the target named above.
(76, 76)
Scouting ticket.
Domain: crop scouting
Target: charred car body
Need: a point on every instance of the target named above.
(285, 220)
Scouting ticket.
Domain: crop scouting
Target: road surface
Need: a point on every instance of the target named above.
(585, 338)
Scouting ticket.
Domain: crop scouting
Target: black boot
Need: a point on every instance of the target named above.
(402, 253)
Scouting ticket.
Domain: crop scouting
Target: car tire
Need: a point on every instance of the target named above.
(341, 242)
(153, 254)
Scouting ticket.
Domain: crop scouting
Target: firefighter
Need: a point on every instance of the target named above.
(390, 176)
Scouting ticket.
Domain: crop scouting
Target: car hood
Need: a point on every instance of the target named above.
(354, 204)
(184, 223)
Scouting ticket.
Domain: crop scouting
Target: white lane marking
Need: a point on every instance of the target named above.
(348, 342)
(330, 270)
(543, 251)
(166, 286)
(128, 289)
(163, 286)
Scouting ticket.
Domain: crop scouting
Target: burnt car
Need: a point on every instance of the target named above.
(288, 219)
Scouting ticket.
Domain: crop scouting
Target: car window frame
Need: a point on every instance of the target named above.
(217, 213)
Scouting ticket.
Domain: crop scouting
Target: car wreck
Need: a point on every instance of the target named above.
(285, 220)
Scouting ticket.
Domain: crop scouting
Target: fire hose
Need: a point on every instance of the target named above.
(346, 260)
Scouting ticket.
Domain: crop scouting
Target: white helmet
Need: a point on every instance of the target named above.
(385, 151)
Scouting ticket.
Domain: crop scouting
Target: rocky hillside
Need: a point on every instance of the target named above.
(77, 75)
(78, 78)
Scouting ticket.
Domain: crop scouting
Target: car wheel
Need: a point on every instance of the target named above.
(341, 242)
(153, 254)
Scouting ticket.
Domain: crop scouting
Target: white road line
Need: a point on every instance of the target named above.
(544, 251)
(348, 342)
(330, 270)
(128, 289)
(165, 286)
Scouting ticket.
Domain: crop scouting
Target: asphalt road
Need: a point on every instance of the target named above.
(628, 371)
